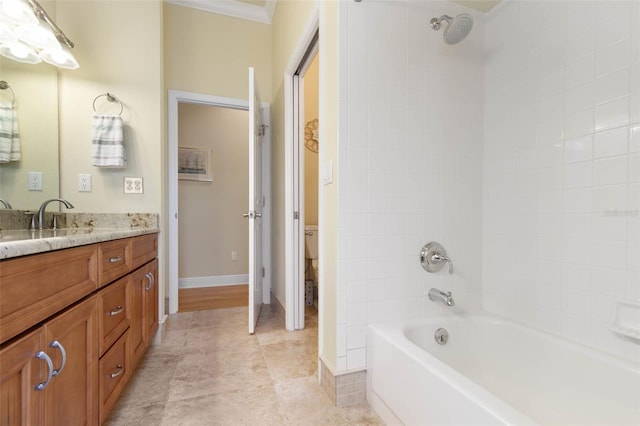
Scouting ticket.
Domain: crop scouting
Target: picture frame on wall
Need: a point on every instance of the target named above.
(195, 164)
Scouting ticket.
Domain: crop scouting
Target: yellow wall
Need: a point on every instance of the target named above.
(118, 46)
(310, 157)
(211, 225)
(329, 48)
(211, 53)
(287, 27)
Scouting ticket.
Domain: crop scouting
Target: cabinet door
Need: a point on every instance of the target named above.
(72, 396)
(150, 303)
(143, 303)
(137, 284)
(20, 371)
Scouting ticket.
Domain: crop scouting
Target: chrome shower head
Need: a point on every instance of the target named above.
(457, 28)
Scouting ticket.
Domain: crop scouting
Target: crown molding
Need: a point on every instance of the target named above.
(232, 8)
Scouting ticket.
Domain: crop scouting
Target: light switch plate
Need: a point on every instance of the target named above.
(133, 185)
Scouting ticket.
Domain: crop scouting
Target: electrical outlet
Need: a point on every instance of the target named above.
(35, 181)
(84, 182)
(133, 185)
(234, 256)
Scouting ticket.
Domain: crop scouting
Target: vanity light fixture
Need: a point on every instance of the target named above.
(28, 34)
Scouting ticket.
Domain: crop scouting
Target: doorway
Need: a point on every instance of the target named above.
(175, 99)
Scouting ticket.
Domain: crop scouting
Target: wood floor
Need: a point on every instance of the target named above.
(200, 299)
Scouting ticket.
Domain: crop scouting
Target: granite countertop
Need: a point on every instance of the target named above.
(17, 243)
(78, 229)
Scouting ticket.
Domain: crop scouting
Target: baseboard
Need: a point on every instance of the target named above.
(344, 388)
(213, 281)
(277, 307)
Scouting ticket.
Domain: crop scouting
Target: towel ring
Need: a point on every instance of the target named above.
(3, 86)
(110, 98)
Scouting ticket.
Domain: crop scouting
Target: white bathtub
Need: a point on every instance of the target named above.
(493, 371)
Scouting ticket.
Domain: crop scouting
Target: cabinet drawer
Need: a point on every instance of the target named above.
(113, 312)
(114, 260)
(32, 288)
(144, 249)
(114, 373)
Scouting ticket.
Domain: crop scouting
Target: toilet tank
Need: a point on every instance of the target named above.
(311, 241)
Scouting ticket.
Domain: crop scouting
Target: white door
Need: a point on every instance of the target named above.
(256, 202)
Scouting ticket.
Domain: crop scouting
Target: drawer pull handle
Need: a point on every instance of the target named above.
(118, 310)
(115, 259)
(45, 357)
(56, 344)
(151, 279)
(117, 373)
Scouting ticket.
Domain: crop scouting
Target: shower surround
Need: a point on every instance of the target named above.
(517, 149)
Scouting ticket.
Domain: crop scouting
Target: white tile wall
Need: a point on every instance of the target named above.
(409, 169)
(585, 200)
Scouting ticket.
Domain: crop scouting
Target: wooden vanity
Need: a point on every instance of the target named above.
(74, 324)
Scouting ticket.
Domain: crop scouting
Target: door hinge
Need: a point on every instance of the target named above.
(263, 272)
(262, 130)
(296, 215)
(264, 201)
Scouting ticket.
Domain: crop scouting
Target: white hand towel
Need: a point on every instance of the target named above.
(108, 142)
(9, 134)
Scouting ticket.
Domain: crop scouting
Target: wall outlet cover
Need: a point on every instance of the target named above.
(35, 181)
(133, 185)
(84, 182)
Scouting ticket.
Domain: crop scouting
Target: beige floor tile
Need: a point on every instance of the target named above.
(209, 371)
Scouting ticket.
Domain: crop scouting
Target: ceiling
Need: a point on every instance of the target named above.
(262, 10)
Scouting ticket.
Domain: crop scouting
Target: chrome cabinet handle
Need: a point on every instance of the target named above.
(45, 357)
(151, 279)
(117, 373)
(115, 259)
(56, 344)
(118, 310)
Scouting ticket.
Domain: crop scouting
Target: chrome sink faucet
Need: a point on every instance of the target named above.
(5, 203)
(440, 296)
(40, 220)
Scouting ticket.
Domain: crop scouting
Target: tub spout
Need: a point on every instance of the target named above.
(440, 296)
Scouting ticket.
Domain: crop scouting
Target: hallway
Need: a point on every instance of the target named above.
(209, 371)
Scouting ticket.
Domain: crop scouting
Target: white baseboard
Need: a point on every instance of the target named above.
(213, 281)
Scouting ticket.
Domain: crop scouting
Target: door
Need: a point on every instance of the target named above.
(256, 202)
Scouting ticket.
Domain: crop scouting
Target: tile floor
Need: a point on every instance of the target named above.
(209, 371)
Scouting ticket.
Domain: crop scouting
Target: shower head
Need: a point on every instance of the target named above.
(457, 28)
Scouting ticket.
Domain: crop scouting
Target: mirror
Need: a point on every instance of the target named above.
(36, 101)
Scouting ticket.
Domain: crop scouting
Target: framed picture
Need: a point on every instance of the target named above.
(195, 164)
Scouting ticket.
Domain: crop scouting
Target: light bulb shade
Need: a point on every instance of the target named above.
(38, 36)
(60, 57)
(6, 34)
(18, 12)
(20, 52)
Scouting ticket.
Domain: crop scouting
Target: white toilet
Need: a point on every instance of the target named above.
(311, 252)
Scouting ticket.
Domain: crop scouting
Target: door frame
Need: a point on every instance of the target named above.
(294, 228)
(174, 98)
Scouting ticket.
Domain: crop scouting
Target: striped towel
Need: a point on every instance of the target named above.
(108, 142)
(9, 135)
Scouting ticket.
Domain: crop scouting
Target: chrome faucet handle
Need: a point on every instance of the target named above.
(433, 257)
(440, 258)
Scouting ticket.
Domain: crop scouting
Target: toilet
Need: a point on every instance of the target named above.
(311, 254)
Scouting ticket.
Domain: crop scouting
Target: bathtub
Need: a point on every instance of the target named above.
(493, 371)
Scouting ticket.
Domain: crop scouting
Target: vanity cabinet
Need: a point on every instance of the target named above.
(49, 376)
(67, 351)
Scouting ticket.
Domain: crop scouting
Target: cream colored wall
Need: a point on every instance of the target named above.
(210, 53)
(211, 225)
(310, 157)
(35, 88)
(329, 137)
(287, 27)
(118, 46)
